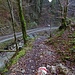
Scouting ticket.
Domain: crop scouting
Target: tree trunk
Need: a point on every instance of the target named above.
(41, 2)
(13, 22)
(35, 4)
(23, 23)
(63, 15)
(65, 10)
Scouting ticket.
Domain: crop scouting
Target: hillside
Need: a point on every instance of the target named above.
(45, 18)
(37, 37)
(57, 51)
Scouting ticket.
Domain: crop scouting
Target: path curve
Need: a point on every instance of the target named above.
(9, 37)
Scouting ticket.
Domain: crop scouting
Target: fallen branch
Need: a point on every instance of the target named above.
(7, 51)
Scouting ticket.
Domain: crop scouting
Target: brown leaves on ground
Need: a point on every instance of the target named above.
(44, 54)
(62, 46)
(40, 55)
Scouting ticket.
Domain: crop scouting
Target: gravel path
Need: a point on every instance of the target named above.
(32, 31)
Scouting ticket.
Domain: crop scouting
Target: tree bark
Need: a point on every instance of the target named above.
(23, 23)
(41, 2)
(13, 22)
(63, 15)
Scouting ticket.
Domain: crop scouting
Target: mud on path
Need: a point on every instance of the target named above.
(40, 55)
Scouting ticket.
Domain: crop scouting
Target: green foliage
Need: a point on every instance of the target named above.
(72, 19)
(72, 49)
(72, 41)
(65, 58)
(32, 25)
(60, 33)
(53, 40)
(53, 2)
(73, 35)
(68, 21)
(55, 5)
(50, 41)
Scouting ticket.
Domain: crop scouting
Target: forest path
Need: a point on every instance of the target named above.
(40, 55)
(11, 36)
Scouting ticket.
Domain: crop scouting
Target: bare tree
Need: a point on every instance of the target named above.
(64, 10)
(13, 22)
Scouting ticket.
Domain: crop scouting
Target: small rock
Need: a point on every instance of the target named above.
(41, 56)
(53, 69)
(30, 60)
(32, 67)
(33, 70)
(23, 71)
(41, 49)
(48, 66)
(63, 68)
(73, 69)
(14, 45)
(49, 52)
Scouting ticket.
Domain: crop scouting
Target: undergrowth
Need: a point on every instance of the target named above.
(17, 57)
(64, 46)
(57, 34)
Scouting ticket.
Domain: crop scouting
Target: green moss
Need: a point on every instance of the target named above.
(31, 25)
(60, 33)
(72, 49)
(3, 70)
(72, 19)
(72, 35)
(14, 60)
(67, 57)
(22, 52)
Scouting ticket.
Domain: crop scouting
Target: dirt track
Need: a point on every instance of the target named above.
(40, 55)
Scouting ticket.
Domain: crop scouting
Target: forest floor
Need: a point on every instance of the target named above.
(46, 52)
(40, 55)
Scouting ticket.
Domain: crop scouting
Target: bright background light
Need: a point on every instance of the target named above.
(50, 0)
